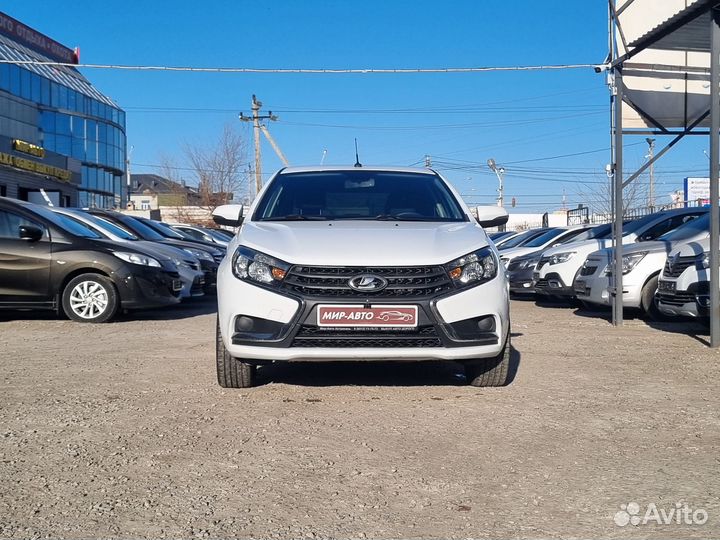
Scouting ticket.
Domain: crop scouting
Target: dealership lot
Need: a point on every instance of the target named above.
(120, 430)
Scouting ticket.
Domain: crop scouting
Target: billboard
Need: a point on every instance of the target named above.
(668, 88)
(696, 189)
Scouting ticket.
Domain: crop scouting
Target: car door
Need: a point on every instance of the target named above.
(24, 264)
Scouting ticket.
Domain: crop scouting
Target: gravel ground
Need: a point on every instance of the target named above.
(120, 431)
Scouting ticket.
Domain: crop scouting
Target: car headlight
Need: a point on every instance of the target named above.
(199, 253)
(136, 258)
(528, 263)
(255, 267)
(474, 268)
(629, 262)
(558, 258)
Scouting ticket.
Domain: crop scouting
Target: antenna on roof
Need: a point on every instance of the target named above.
(357, 157)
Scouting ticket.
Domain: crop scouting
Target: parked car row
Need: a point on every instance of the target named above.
(89, 264)
(664, 263)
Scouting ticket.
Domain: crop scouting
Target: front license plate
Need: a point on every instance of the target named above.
(360, 316)
(176, 285)
(666, 286)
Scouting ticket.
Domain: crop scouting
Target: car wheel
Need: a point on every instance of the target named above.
(490, 371)
(648, 302)
(90, 298)
(232, 372)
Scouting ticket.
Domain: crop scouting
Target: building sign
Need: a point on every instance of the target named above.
(28, 148)
(34, 166)
(35, 40)
(696, 189)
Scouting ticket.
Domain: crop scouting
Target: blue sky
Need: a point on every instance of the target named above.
(460, 120)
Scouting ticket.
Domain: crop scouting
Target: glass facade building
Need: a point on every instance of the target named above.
(57, 109)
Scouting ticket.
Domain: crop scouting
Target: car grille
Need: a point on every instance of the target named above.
(331, 281)
(588, 270)
(312, 336)
(677, 298)
(678, 267)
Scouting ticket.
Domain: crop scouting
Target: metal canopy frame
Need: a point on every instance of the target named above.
(694, 29)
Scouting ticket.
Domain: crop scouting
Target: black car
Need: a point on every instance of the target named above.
(48, 261)
(209, 257)
(168, 232)
(520, 273)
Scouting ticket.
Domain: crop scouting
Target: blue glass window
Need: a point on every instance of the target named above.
(14, 80)
(78, 148)
(44, 91)
(25, 85)
(63, 145)
(47, 122)
(54, 96)
(5, 76)
(62, 124)
(35, 88)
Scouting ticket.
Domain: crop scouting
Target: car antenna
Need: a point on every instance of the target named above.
(357, 158)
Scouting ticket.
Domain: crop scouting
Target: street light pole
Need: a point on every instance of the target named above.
(499, 172)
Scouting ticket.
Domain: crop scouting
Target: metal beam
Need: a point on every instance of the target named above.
(648, 118)
(668, 147)
(618, 206)
(714, 179)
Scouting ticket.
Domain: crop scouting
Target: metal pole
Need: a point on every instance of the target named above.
(256, 132)
(651, 194)
(714, 181)
(618, 198)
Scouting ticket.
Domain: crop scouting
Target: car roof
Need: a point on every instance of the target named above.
(348, 168)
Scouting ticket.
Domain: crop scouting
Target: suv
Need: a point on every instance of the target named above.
(360, 263)
(642, 263)
(684, 285)
(52, 262)
(559, 266)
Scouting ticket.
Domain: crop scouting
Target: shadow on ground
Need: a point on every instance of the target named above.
(191, 307)
(372, 373)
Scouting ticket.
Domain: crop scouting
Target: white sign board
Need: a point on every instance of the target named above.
(697, 189)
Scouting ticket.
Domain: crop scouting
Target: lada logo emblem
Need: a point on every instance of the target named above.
(368, 283)
(672, 261)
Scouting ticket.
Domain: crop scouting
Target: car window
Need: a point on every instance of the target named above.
(162, 229)
(689, 229)
(666, 225)
(192, 232)
(362, 195)
(10, 224)
(544, 238)
(522, 237)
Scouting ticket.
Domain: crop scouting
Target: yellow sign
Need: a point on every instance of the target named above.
(34, 166)
(27, 148)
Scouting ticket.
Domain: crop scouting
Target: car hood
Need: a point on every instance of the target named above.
(691, 249)
(361, 243)
(518, 252)
(656, 246)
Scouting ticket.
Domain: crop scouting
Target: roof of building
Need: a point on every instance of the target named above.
(65, 75)
(157, 184)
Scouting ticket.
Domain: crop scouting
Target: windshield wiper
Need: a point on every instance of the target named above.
(296, 217)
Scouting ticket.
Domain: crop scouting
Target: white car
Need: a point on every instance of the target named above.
(326, 251)
(559, 266)
(554, 236)
(684, 285)
(642, 264)
(201, 233)
(192, 277)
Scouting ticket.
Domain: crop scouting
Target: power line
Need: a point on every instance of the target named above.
(310, 71)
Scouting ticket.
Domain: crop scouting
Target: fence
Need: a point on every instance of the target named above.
(581, 215)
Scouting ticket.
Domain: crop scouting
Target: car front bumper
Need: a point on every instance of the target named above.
(295, 319)
(144, 287)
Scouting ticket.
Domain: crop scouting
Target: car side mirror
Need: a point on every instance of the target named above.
(228, 214)
(30, 233)
(491, 216)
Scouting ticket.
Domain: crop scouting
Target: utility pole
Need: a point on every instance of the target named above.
(651, 192)
(428, 163)
(255, 118)
(499, 172)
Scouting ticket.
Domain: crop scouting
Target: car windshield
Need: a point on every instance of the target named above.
(108, 226)
(139, 228)
(499, 235)
(216, 235)
(360, 195)
(162, 229)
(73, 227)
(544, 238)
(638, 224)
(522, 237)
(688, 230)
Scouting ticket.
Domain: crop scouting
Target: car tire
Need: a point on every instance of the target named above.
(490, 371)
(232, 372)
(648, 303)
(90, 298)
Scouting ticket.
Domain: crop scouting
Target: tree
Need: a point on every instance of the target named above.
(220, 168)
(599, 194)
